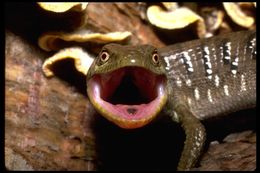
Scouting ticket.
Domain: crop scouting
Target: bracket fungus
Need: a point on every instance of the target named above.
(174, 18)
(53, 40)
(50, 41)
(58, 7)
(63, 16)
(81, 58)
(238, 15)
(178, 18)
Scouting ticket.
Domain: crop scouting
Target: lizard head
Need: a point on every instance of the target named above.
(127, 84)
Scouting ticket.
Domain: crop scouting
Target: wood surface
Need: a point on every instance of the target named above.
(51, 125)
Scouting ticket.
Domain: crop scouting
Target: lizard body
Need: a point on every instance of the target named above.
(190, 81)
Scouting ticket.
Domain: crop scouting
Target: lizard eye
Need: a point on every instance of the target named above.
(155, 58)
(104, 56)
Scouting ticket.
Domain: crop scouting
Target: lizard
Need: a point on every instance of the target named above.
(189, 82)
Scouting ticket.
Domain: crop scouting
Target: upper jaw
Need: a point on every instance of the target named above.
(150, 88)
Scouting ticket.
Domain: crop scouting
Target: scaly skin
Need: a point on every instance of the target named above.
(205, 78)
(193, 128)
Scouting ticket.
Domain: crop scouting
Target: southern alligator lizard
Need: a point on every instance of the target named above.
(191, 81)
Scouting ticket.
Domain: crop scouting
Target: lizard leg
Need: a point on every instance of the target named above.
(195, 138)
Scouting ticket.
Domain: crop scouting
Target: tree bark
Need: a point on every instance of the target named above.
(51, 125)
(47, 122)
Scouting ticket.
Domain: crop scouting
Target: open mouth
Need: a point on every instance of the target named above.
(130, 96)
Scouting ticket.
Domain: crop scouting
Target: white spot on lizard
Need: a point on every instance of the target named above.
(243, 83)
(216, 80)
(209, 96)
(226, 90)
(196, 93)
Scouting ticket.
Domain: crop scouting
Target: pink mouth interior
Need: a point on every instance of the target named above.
(130, 93)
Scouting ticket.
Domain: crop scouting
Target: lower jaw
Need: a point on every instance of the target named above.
(126, 123)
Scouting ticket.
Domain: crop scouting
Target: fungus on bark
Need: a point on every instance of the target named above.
(238, 15)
